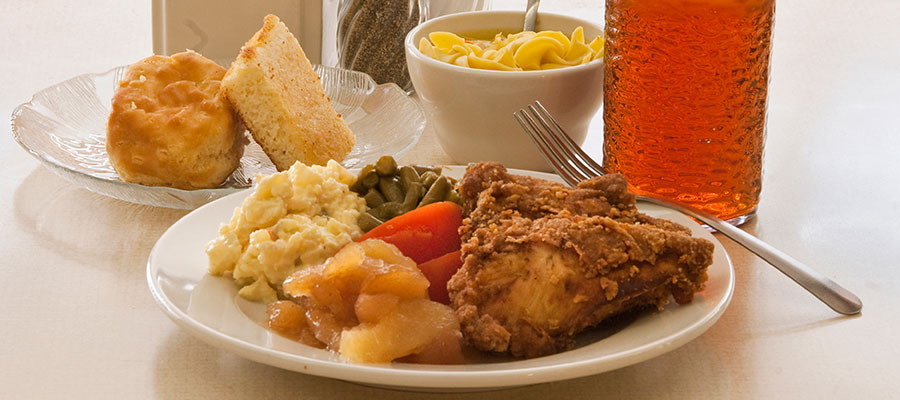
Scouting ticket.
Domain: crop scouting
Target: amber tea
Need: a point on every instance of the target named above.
(685, 99)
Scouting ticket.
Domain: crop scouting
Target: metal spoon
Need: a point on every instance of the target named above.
(531, 14)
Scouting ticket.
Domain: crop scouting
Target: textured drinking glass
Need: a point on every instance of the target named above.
(685, 100)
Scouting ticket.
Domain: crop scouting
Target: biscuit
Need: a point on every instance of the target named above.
(170, 124)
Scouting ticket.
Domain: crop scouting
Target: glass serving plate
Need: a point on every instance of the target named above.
(64, 126)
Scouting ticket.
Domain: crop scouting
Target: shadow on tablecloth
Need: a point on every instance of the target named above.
(85, 227)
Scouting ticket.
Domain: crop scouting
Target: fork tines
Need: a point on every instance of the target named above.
(561, 152)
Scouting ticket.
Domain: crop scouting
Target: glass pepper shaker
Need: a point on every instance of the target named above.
(370, 33)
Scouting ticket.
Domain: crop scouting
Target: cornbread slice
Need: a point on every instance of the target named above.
(280, 99)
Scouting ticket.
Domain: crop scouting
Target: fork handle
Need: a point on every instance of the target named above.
(825, 289)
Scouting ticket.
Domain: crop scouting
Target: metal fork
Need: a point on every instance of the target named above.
(574, 165)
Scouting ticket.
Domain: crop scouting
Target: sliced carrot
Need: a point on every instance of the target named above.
(439, 271)
(423, 234)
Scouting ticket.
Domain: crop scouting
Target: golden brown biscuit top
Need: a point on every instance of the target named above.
(169, 115)
(158, 82)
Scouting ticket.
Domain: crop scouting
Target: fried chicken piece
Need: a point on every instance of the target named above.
(542, 262)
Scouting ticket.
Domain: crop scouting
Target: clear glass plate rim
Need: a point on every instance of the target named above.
(220, 192)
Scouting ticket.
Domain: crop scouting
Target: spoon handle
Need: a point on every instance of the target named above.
(826, 290)
(531, 11)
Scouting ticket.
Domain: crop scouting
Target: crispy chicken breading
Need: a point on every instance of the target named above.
(542, 262)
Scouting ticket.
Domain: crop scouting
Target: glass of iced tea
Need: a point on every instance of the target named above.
(685, 100)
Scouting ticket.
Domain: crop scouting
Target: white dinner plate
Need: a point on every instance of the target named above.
(64, 126)
(210, 309)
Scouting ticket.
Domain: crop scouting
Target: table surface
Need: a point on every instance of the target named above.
(79, 322)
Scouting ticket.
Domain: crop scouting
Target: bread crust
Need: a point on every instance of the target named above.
(280, 99)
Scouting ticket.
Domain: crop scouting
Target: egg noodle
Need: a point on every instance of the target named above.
(523, 51)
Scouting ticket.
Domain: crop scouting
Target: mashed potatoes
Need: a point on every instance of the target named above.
(294, 219)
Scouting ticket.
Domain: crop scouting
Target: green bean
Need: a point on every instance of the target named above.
(366, 170)
(387, 210)
(374, 198)
(367, 222)
(366, 179)
(437, 192)
(371, 179)
(386, 166)
(422, 169)
(413, 195)
(357, 186)
(453, 196)
(408, 176)
(380, 212)
(428, 178)
(390, 189)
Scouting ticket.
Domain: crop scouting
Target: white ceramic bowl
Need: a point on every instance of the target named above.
(471, 110)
